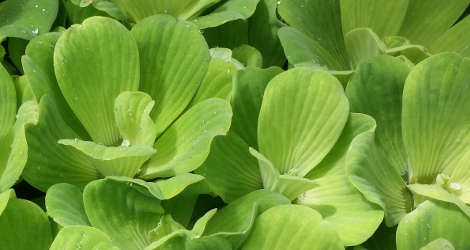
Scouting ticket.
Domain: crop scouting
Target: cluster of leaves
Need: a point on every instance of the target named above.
(235, 124)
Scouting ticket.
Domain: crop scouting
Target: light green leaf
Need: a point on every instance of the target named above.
(248, 56)
(303, 51)
(182, 206)
(27, 18)
(201, 223)
(14, 147)
(230, 170)
(460, 178)
(372, 174)
(38, 65)
(23, 91)
(334, 162)
(5, 197)
(455, 39)
(248, 90)
(433, 220)
(353, 217)
(301, 118)
(425, 21)
(89, 84)
(382, 16)
(185, 145)
(416, 53)
(77, 14)
(262, 33)
(302, 228)
(324, 28)
(363, 44)
(182, 10)
(229, 11)
(438, 193)
(24, 226)
(174, 58)
(217, 83)
(439, 243)
(123, 160)
(8, 104)
(48, 161)
(64, 204)
(132, 110)
(236, 219)
(376, 89)
(436, 114)
(125, 214)
(163, 189)
(287, 184)
(82, 237)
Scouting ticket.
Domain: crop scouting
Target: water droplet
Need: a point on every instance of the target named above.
(278, 2)
(35, 31)
(83, 234)
(228, 71)
(125, 143)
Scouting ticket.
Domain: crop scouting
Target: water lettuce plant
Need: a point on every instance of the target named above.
(415, 164)
(180, 125)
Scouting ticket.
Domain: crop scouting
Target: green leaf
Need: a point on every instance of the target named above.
(27, 18)
(382, 16)
(334, 162)
(201, 223)
(185, 145)
(16, 48)
(248, 90)
(64, 203)
(438, 193)
(163, 189)
(248, 56)
(416, 53)
(301, 118)
(461, 179)
(82, 237)
(437, 89)
(182, 206)
(182, 10)
(353, 217)
(38, 64)
(229, 11)
(439, 243)
(363, 44)
(372, 174)
(287, 184)
(433, 220)
(23, 91)
(262, 33)
(125, 214)
(302, 227)
(230, 170)
(24, 226)
(227, 35)
(123, 160)
(376, 89)
(132, 110)
(14, 147)
(91, 85)
(324, 28)
(77, 14)
(217, 83)
(5, 197)
(236, 219)
(174, 58)
(455, 39)
(8, 102)
(304, 51)
(425, 21)
(48, 161)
